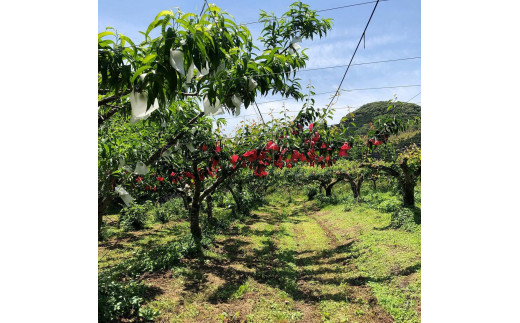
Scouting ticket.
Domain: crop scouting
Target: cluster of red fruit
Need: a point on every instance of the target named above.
(259, 159)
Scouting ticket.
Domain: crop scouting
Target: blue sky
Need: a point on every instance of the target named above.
(394, 33)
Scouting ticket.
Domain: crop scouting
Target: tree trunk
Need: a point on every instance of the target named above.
(209, 210)
(358, 186)
(408, 185)
(407, 181)
(328, 190)
(196, 232)
(102, 205)
(354, 188)
(374, 183)
(236, 198)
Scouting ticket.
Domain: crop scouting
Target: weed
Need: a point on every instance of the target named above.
(406, 218)
(134, 217)
(241, 290)
(118, 300)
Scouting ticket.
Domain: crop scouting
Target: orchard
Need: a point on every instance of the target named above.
(162, 150)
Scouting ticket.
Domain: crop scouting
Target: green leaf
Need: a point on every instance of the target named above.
(163, 13)
(139, 72)
(149, 58)
(105, 33)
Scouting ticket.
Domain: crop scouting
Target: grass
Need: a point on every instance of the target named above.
(289, 262)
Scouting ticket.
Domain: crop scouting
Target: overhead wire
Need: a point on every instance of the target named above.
(353, 55)
(337, 66)
(351, 90)
(330, 92)
(413, 97)
(321, 10)
(257, 22)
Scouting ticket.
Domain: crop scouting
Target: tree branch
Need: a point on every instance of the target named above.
(387, 169)
(112, 98)
(221, 179)
(103, 118)
(172, 142)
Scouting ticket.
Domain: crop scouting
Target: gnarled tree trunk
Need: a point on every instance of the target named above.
(408, 179)
(328, 188)
(408, 182)
(355, 185)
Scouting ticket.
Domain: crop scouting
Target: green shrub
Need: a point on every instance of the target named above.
(159, 258)
(390, 205)
(176, 208)
(117, 300)
(311, 192)
(323, 200)
(406, 218)
(161, 214)
(148, 314)
(250, 200)
(122, 300)
(134, 217)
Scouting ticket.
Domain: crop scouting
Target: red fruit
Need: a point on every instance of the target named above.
(345, 146)
(234, 159)
(272, 146)
(295, 155)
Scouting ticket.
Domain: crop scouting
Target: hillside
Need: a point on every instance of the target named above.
(369, 112)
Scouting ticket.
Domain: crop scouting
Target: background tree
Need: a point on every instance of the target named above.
(406, 168)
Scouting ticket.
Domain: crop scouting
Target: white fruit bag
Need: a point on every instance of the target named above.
(138, 102)
(177, 60)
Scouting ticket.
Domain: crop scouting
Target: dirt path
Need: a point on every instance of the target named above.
(285, 264)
